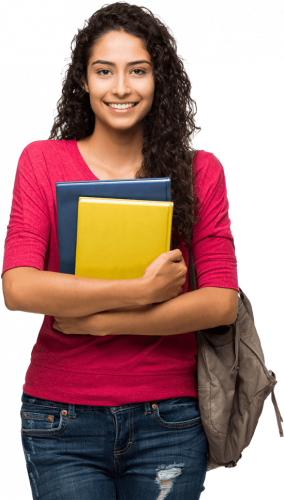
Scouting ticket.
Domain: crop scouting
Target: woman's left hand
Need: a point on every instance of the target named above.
(83, 325)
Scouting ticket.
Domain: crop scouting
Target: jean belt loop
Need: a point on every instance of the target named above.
(147, 408)
(71, 411)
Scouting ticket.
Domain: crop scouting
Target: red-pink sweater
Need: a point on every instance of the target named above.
(116, 369)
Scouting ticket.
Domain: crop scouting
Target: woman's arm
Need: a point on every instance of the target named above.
(204, 308)
(44, 292)
(58, 294)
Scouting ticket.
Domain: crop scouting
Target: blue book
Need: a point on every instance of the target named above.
(67, 198)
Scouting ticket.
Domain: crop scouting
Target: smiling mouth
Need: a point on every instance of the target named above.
(121, 109)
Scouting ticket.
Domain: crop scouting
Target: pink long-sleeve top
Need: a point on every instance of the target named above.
(117, 369)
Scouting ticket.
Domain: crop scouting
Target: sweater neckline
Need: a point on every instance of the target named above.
(87, 171)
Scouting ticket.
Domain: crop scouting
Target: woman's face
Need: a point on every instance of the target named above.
(120, 72)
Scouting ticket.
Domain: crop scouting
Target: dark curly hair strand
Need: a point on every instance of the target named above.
(168, 127)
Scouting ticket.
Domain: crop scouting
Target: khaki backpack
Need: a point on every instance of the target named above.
(233, 383)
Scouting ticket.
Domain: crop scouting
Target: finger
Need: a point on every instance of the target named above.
(56, 326)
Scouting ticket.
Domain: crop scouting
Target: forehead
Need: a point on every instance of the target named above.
(118, 45)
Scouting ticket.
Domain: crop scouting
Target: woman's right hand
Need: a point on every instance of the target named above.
(165, 276)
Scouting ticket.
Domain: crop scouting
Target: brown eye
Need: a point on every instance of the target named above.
(143, 72)
(99, 72)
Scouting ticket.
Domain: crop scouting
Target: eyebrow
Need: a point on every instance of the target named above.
(128, 64)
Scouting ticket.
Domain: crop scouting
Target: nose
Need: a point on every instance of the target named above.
(121, 85)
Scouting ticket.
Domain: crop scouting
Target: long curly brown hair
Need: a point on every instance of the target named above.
(168, 127)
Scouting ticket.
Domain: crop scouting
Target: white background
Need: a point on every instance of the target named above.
(233, 52)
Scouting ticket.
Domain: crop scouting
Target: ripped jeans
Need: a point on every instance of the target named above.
(153, 450)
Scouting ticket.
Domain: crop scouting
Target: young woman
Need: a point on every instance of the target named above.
(110, 403)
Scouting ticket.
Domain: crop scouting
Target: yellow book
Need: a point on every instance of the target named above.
(118, 239)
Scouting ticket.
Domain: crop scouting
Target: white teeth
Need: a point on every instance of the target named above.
(121, 106)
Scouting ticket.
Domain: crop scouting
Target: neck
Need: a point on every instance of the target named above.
(120, 148)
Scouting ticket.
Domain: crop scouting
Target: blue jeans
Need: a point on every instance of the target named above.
(153, 450)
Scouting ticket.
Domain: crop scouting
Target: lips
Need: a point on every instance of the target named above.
(108, 104)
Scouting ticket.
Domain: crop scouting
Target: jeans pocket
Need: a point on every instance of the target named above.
(42, 420)
(177, 413)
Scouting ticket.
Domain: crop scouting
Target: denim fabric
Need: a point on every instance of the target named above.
(153, 450)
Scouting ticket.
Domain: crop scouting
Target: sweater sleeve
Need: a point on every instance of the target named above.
(213, 246)
(29, 225)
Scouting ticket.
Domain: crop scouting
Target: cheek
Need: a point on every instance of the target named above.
(146, 88)
(96, 104)
(98, 91)
(149, 96)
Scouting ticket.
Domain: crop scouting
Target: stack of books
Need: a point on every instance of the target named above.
(113, 229)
